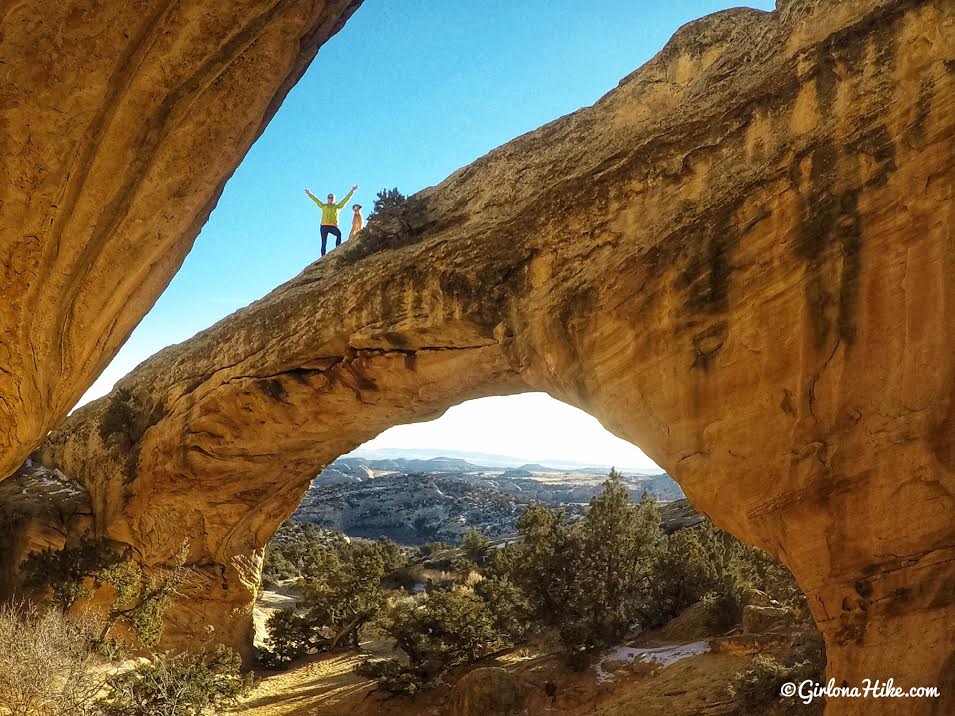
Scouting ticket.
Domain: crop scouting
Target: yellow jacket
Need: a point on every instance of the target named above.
(330, 211)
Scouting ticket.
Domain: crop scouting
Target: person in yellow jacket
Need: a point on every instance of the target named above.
(330, 211)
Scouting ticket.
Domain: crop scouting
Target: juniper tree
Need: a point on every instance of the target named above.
(140, 598)
(619, 545)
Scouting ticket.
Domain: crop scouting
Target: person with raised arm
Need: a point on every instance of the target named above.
(330, 211)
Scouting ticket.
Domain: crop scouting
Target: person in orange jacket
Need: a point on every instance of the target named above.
(330, 211)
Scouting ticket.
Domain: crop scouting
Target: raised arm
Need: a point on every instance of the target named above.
(341, 204)
(314, 198)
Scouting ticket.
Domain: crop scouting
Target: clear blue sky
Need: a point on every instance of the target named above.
(404, 95)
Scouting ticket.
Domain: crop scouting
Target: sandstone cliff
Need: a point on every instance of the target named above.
(741, 260)
(119, 125)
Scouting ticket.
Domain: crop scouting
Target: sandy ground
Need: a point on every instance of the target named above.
(680, 670)
(673, 680)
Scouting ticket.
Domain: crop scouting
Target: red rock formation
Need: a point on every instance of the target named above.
(119, 125)
(741, 260)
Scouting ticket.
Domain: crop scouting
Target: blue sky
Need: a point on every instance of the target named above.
(404, 95)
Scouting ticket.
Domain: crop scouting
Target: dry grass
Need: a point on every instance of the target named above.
(47, 665)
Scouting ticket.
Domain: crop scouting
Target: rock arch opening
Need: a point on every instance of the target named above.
(478, 466)
(762, 300)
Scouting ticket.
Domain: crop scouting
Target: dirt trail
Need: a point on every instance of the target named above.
(327, 686)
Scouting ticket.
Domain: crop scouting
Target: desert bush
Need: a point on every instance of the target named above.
(344, 593)
(544, 568)
(619, 545)
(178, 685)
(510, 608)
(703, 562)
(119, 419)
(293, 548)
(388, 200)
(395, 221)
(682, 577)
(443, 628)
(48, 664)
(392, 676)
(407, 578)
(463, 569)
(772, 577)
(289, 638)
(72, 573)
(759, 685)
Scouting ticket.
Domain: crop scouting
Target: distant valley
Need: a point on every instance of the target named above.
(419, 500)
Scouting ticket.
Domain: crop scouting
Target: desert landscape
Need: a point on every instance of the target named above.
(739, 259)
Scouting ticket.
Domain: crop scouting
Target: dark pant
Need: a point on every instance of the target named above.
(334, 231)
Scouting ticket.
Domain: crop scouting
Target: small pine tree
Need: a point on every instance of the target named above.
(619, 547)
(464, 568)
(289, 638)
(395, 221)
(389, 199)
(509, 606)
(591, 580)
(343, 585)
(475, 547)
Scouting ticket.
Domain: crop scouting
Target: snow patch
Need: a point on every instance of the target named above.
(662, 655)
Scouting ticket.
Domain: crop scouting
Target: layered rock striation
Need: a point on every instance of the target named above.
(120, 123)
(741, 259)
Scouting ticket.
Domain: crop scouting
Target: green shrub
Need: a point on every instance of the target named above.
(590, 580)
(289, 638)
(684, 574)
(388, 200)
(509, 606)
(395, 221)
(293, 548)
(725, 603)
(73, 573)
(178, 685)
(343, 590)
(704, 562)
(475, 547)
(443, 628)
(407, 578)
(759, 685)
(392, 676)
(118, 421)
(463, 569)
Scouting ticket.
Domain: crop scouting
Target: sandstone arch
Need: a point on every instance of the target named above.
(741, 260)
(120, 123)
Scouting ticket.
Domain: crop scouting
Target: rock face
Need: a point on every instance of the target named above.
(489, 691)
(119, 125)
(757, 619)
(38, 508)
(741, 260)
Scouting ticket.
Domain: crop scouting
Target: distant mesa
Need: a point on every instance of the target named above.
(517, 472)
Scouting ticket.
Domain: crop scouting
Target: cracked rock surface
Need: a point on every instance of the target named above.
(741, 260)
